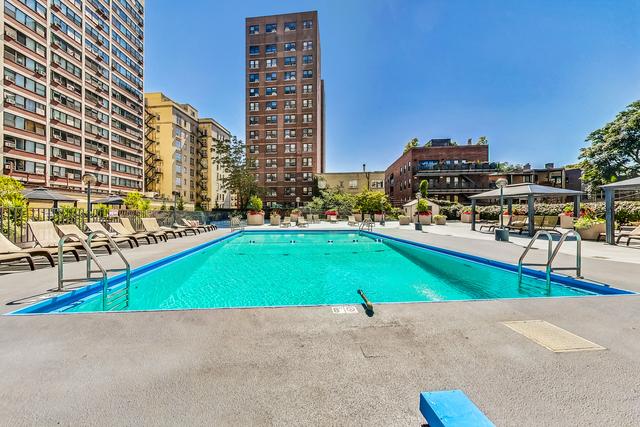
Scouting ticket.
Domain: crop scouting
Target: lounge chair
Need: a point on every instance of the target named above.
(10, 252)
(151, 225)
(492, 225)
(286, 222)
(549, 223)
(518, 223)
(122, 231)
(316, 218)
(627, 232)
(196, 223)
(73, 229)
(46, 237)
(130, 230)
(97, 227)
(351, 220)
(236, 223)
(189, 224)
(302, 222)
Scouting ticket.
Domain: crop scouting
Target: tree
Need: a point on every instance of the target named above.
(372, 202)
(180, 204)
(482, 141)
(14, 204)
(411, 144)
(10, 191)
(614, 152)
(239, 173)
(424, 188)
(132, 200)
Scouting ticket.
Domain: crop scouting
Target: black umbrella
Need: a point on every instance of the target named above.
(44, 194)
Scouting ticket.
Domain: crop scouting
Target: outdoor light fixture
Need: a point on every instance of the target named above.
(418, 225)
(297, 202)
(175, 205)
(500, 233)
(89, 179)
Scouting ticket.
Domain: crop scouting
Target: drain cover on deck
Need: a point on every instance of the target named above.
(344, 309)
(552, 337)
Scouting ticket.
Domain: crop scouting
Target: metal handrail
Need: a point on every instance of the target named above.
(529, 246)
(578, 254)
(366, 223)
(126, 269)
(90, 254)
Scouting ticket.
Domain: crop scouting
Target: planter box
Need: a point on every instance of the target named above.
(441, 221)
(425, 219)
(404, 220)
(566, 222)
(332, 218)
(294, 217)
(274, 220)
(467, 218)
(377, 217)
(592, 232)
(358, 217)
(255, 219)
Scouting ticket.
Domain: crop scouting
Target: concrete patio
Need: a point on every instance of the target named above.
(298, 365)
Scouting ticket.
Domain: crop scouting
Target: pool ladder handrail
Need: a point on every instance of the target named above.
(551, 255)
(114, 299)
(366, 223)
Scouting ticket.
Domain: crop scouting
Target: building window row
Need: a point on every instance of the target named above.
(24, 166)
(25, 104)
(272, 48)
(58, 42)
(26, 145)
(24, 61)
(26, 41)
(24, 19)
(273, 27)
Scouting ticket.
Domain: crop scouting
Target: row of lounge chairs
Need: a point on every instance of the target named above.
(47, 237)
(520, 223)
(629, 233)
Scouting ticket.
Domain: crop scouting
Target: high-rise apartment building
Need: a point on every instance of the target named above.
(284, 105)
(73, 92)
(179, 147)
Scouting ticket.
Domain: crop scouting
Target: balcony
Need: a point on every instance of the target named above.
(430, 169)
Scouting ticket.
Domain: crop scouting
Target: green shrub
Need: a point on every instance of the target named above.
(423, 206)
(587, 222)
(255, 204)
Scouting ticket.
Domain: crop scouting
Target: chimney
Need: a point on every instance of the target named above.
(469, 141)
(548, 166)
(527, 166)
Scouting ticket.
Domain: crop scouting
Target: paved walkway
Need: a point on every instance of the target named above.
(304, 365)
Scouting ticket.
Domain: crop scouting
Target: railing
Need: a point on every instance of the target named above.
(528, 248)
(462, 167)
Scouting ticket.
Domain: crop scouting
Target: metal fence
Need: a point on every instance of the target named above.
(13, 220)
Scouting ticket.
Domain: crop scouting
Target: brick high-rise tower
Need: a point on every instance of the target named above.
(284, 105)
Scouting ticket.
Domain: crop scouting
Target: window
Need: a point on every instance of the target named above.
(272, 91)
(270, 77)
(254, 163)
(253, 77)
(273, 62)
(308, 161)
(254, 29)
(271, 177)
(307, 132)
(307, 24)
(253, 149)
(271, 148)
(24, 40)
(290, 104)
(271, 105)
(307, 118)
(270, 48)
(25, 103)
(308, 45)
(289, 191)
(307, 74)
(307, 176)
(289, 26)
(24, 82)
(289, 118)
(307, 191)
(253, 134)
(353, 183)
(20, 59)
(289, 75)
(24, 166)
(254, 50)
(24, 145)
(254, 106)
(254, 64)
(307, 147)
(11, 120)
(307, 59)
(289, 148)
(290, 162)
(272, 120)
(272, 192)
(272, 163)
(290, 177)
(289, 47)
(270, 28)
(254, 91)
(271, 134)
(65, 118)
(307, 89)
(254, 120)
(289, 60)
(307, 103)
(289, 133)
(377, 183)
(289, 90)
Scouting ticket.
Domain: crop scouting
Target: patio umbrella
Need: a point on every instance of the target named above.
(44, 194)
(112, 199)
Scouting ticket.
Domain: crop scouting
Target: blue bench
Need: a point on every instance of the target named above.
(451, 408)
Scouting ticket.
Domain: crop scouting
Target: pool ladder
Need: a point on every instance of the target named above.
(114, 298)
(366, 223)
(551, 255)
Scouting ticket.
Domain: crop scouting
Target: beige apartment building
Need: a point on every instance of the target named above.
(179, 154)
(352, 182)
(72, 93)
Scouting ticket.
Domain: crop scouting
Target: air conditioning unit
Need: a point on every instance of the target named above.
(41, 72)
(10, 144)
(10, 78)
(10, 100)
(71, 87)
(70, 175)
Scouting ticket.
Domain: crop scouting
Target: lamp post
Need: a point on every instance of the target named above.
(89, 179)
(298, 202)
(418, 225)
(175, 205)
(501, 234)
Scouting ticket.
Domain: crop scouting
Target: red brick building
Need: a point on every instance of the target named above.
(454, 172)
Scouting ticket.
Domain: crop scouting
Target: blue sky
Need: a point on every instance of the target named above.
(535, 77)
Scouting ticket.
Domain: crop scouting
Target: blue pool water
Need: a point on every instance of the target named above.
(313, 268)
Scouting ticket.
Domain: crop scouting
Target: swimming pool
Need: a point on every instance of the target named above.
(276, 268)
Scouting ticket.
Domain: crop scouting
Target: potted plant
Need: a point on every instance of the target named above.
(465, 216)
(332, 215)
(377, 216)
(589, 228)
(440, 219)
(566, 217)
(424, 212)
(274, 218)
(357, 215)
(295, 213)
(255, 214)
(404, 219)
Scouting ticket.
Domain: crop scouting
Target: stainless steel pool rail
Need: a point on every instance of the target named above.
(366, 223)
(551, 255)
(117, 298)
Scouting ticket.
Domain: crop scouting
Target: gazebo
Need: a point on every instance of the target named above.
(609, 202)
(527, 191)
(112, 199)
(46, 195)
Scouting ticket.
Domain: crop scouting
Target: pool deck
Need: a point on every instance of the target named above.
(283, 366)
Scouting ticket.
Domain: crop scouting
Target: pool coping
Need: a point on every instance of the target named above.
(57, 303)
